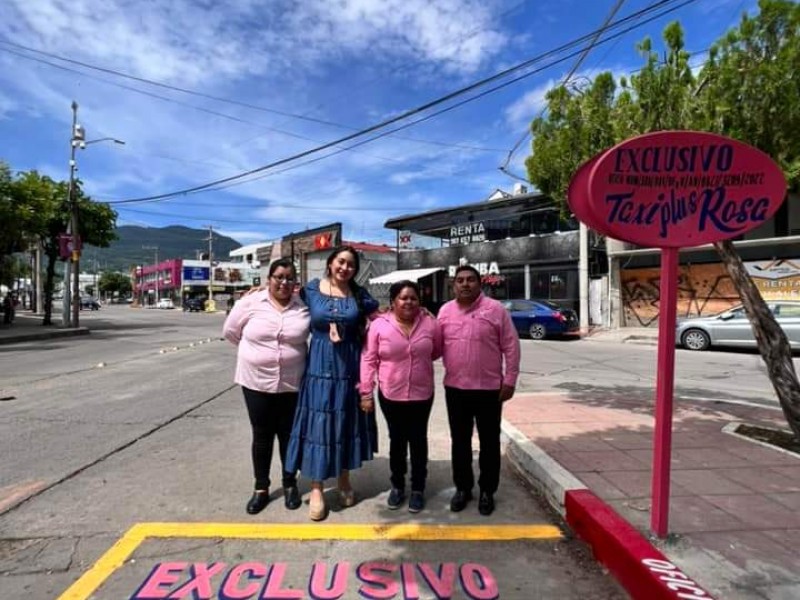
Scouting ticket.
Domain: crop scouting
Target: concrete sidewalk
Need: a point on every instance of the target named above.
(27, 326)
(735, 504)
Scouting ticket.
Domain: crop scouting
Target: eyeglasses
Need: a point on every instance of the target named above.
(283, 279)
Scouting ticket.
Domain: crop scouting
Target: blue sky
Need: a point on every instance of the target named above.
(347, 63)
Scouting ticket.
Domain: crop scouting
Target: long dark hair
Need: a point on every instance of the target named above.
(355, 289)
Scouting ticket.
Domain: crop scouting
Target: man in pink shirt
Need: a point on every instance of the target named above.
(481, 359)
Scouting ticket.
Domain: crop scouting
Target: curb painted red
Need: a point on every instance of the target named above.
(641, 569)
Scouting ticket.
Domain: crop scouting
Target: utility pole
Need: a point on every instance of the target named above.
(72, 299)
(156, 259)
(77, 137)
(210, 306)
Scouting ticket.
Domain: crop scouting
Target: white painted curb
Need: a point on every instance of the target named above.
(542, 471)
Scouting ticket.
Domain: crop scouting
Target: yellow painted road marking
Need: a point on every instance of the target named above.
(116, 556)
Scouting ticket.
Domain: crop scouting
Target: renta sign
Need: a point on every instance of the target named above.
(677, 188)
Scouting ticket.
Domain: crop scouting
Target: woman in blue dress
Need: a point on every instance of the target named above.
(334, 430)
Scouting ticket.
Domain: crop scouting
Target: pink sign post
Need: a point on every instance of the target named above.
(673, 189)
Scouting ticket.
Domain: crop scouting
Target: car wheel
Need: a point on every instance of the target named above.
(695, 339)
(537, 331)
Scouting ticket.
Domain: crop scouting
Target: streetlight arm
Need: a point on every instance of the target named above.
(83, 144)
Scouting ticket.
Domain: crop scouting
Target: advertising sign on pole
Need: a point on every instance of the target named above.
(672, 189)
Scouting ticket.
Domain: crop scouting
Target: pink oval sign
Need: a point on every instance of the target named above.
(578, 196)
(683, 188)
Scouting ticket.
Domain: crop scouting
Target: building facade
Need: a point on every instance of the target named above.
(520, 244)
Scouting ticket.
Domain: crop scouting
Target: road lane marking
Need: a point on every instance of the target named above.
(116, 556)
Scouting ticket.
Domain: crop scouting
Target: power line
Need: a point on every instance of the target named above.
(204, 95)
(441, 100)
(565, 81)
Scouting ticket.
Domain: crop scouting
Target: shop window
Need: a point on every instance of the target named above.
(558, 285)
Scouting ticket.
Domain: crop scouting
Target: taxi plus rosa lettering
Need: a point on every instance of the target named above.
(677, 188)
(715, 206)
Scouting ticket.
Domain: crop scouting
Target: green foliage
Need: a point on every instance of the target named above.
(748, 90)
(114, 283)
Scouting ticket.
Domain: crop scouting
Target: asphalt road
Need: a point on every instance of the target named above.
(139, 423)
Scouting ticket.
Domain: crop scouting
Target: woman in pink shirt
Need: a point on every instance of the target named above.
(270, 328)
(400, 349)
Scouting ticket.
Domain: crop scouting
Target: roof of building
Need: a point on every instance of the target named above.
(367, 247)
(249, 249)
(441, 218)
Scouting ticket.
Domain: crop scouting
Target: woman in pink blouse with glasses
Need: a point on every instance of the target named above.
(400, 349)
(270, 328)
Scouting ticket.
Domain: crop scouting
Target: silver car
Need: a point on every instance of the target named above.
(732, 327)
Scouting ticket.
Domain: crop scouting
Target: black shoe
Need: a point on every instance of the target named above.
(291, 497)
(396, 497)
(258, 502)
(486, 504)
(459, 500)
(416, 502)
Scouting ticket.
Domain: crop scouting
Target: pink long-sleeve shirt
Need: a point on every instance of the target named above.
(481, 346)
(404, 365)
(272, 342)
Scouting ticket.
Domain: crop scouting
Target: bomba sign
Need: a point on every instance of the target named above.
(677, 188)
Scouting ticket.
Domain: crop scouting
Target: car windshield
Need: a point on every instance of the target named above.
(734, 310)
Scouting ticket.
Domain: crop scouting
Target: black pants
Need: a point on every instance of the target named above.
(408, 430)
(465, 409)
(270, 415)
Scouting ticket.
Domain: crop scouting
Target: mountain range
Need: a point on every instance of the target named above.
(140, 246)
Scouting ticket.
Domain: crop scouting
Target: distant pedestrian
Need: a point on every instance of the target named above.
(481, 357)
(400, 350)
(8, 309)
(270, 328)
(332, 434)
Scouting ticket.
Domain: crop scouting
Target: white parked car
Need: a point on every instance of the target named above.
(165, 303)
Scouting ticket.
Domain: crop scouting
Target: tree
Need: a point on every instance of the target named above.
(115, 283)
(748, 90)
(96, 221)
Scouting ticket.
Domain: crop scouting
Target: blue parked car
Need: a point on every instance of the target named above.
(540, 318)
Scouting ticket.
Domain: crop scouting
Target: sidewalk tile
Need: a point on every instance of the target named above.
(765, 560)
(792, 473)
(763, 480)
(695, 514)
(759, 455)
(635, 510)
(605, 460)
(756, 510)
(587, 444)
(601, 486)
(790, 500)
(704, 482)
(637, 484)
(711, 457)
(785, 537)
(677, 462)
(629, 441)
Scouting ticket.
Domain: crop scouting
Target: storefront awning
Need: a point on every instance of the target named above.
(409, 274)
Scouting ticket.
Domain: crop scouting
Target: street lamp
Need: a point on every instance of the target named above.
(78, 140)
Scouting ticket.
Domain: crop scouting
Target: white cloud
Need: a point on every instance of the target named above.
(521, 112)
